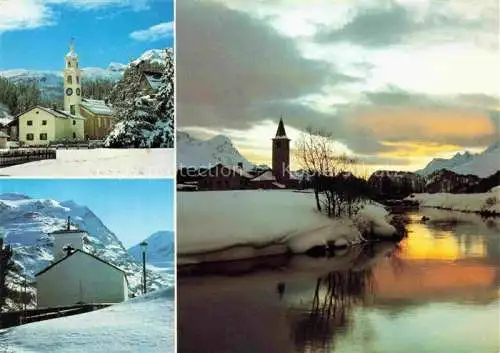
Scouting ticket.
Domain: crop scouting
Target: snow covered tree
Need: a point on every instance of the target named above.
(144, 121)
(5, 266)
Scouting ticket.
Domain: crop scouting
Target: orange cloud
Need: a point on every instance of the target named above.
(428, 124)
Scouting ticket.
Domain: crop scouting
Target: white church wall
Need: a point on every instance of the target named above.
(80, 279)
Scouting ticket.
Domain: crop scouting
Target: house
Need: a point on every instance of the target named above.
(224, 177)
(150, 81)
(77, 276)
(99, 118)
(3, 139)
(40, 126)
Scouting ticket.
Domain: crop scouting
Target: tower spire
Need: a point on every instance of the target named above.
(281, 128)
(72, 45)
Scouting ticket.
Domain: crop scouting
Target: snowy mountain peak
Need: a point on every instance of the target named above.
(483, 164)
(14, 197)
(196, 153)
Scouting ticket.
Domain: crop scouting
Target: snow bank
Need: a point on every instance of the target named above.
(230, 225)
(484, 202)
(145, 324)
(373, 219)
(100, 162)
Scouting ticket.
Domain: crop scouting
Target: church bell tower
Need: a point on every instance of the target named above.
(72, 82)
(281, 154)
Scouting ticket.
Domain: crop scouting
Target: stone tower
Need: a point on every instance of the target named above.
(72, 82)
(281, 154)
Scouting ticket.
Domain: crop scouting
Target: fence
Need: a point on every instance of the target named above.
(20, 156)
(15, 318)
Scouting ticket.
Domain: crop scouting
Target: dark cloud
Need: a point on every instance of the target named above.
(396, 24)
(228, 63)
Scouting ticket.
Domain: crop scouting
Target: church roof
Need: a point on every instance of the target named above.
(281, 129)
(97, 106)
(82, 252)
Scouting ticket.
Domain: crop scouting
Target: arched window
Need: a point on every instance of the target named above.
(70, 79)
(77, 79)
(69, 63)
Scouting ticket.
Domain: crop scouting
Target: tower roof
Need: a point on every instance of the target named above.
(281, 129)
(72, 53)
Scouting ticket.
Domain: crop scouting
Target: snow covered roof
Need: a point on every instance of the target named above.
(82, 252)
(153, 78)
(97, 106)
(266, 176)
(54, 112)
(236, 170)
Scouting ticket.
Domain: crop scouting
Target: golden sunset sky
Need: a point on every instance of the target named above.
(397, 83)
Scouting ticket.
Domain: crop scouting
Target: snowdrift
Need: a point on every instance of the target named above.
(231, 225)
(144, 324)
(488, 202)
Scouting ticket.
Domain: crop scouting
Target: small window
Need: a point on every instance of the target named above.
(69, 79)
(72, 110)
(44, 122)
(69, 63)
(43, 137)
(30, 137)
(77, 77)
(278, 144)
(76, 64)
(74, 135)
(74, 122)
(37, 112)
(30, 122)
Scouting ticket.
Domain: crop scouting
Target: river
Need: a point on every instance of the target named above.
(437, 291)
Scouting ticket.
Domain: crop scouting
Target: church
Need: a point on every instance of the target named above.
(86, 278)
(81, 119)
(225, 177)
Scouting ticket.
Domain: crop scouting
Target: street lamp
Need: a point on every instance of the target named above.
(144, 246)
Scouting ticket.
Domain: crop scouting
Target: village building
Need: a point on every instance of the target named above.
(78, 277)
(39, 126)
(3, 139)
(224, 177)
(99, 118)
(150, 81)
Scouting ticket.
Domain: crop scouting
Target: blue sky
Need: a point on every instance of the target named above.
(131, 208)
(35, 34)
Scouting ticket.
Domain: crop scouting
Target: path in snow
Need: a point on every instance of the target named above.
(148, 163)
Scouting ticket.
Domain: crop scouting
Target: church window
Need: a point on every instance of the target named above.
(70, 79)
(43, 137)
(78, 79)
(74, 135)
(44, 122)
(29, 122)
(30, 137)
(74, 122)
(278, 144)
(72, 109)
(69, 63)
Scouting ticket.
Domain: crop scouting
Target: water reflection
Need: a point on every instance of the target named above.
(437, 291)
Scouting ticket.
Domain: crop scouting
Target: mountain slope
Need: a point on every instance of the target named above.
(5, 117)
(192, 152)
(27, 222)
(160, 250)
(51, 82)
(482, 164)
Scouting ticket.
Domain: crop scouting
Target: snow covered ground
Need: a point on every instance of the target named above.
(484, 202)
(229, 225)
(144, 324)
(100, 163)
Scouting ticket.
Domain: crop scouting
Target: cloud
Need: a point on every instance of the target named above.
(29, 14)
(154, 33)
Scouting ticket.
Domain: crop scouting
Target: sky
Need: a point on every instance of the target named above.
(35, 34)
(396, 82)
(133, 209)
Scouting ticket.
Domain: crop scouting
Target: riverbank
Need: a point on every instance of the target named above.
(487, 203)
(243, 224)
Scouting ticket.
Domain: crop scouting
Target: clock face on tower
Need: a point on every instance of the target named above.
(77, 91)
(69, 91)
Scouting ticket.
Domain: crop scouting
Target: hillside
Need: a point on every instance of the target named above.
(160, 250)
(482, 164)
(27, 222)
(194, 153)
